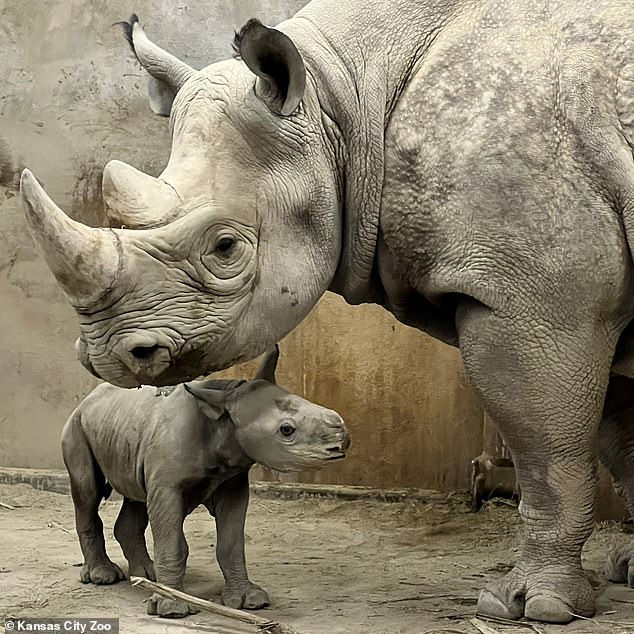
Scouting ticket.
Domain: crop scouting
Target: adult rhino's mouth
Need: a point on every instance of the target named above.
(149, 364)
(81, 350)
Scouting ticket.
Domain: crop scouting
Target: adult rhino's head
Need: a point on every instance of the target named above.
(231, 246)
(274, 427)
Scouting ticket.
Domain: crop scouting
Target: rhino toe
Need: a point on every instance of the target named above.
(101, 574)
(168, 608)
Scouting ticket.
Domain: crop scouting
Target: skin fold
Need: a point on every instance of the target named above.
(465, 164)
(169, 451)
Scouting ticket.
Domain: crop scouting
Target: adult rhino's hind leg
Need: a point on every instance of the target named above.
(543, 381)
(129, 531)
(87, 486)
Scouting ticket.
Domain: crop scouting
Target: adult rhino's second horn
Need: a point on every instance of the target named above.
(84, 260)
(137, 200)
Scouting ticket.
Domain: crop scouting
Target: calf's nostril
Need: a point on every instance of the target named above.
(143, 352)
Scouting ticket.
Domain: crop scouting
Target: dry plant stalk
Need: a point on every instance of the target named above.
(263, 624)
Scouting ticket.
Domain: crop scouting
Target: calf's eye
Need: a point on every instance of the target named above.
(286, 429)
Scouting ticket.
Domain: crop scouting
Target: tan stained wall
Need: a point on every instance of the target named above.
(72, 97)
(413, 418)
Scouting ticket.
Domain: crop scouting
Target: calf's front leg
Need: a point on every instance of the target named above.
(229, 505)
(166, 514)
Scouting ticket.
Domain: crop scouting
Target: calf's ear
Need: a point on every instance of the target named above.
(268, 366)
(272, 56)
(212, 402)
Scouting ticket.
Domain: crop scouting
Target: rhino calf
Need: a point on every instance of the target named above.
(169, 451)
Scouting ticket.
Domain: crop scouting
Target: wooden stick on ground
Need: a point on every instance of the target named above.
(483, 628)
(7, 506)
(263, 624)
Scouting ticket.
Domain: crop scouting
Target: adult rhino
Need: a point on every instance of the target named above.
(466, 164)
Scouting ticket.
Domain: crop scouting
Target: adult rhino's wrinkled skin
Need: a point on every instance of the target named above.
(466, 164)
(167, 451)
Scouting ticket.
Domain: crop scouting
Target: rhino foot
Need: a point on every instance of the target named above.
(143, 569)
(619, 567)
(252, 597)
(101, 574)
(553, 594)
(168, 608)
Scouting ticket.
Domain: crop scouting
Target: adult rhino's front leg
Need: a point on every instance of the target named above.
(544, 383)
(166, 513)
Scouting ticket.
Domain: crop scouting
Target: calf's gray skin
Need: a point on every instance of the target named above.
(167, 454)
(466, 164)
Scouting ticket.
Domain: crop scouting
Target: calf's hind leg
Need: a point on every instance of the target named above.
(129, 531)
(87, 486)
(544, 385)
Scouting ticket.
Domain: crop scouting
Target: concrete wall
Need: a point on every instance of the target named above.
(71, 98)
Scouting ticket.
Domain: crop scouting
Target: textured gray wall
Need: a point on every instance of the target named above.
(73, 97)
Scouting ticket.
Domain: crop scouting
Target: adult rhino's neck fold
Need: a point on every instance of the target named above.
(361, 54)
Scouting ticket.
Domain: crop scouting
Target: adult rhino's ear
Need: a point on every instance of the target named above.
(211, 401)
(273, 57)
(269, 365)
(167, 73)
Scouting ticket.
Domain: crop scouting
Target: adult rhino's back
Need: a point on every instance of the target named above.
(506, 153)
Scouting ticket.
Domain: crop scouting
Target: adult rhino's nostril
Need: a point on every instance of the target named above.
(144, 352)
(145, 360)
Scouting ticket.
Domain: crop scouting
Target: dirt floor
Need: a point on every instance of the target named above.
(329, 566)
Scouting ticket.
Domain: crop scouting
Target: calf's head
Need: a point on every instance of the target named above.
(275, 428)
(230, 247)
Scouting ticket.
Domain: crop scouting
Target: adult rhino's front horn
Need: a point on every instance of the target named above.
(84, 260)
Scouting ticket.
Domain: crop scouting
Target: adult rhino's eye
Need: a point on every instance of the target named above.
(227, 257)
(287, 430)
(224, 246)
